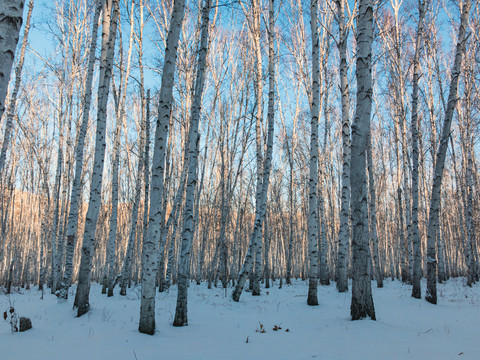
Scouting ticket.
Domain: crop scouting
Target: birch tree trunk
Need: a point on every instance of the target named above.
(56, 205)
(433, 219)
(164, 282)
(256, 34)
(417, 251)
(313, 180)
(362, 301)
(111, 13)
(181, 318)
(322, 239)
(257, 274)
(222, 240)
(146, 105)
(149, 246)
(266, 258)
(261, 206)
(270, 116)
(11, 12)
(468, 182)
(292, 214)
(441, 272)
(344, 232)
(471, 237)
(127, 265)
(112, 233)
(120, 114)
(79, 154)
(373, 214)
(18, 74)
(44, 205)
(146, 169)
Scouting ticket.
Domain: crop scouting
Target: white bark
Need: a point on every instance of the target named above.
(149, 247)
(261, 206)
(271, 118)
(72, 223)
(11, 12)
(172, 221)
(44, 206)
(433, 220)
(373, 215)
(322, 239)
(111, 13)
(362, 301)
(344, 232)
(255, 33)
(313, 180)
(417, 251)
(471, 237)
(120, 114)
(181, 318)
(112, 232)
(18, 75)
(56, 206)
(146, 169)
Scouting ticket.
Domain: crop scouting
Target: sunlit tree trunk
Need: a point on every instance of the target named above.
(14, 10)
(11, 18)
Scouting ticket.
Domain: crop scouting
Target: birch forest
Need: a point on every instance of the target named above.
(252, 146)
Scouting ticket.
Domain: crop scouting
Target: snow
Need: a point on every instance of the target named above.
(406, 328)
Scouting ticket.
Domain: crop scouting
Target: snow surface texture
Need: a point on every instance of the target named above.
(406, 328)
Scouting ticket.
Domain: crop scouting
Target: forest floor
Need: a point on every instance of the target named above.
(219, 328)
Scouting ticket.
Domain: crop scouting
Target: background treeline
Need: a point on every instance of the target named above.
(46, 113)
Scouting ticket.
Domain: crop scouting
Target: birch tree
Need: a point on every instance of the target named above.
(112, 233)
(156, 215)
(313, 180)
(270, 111)
(110, 18)
(372, 212)
(344, 232)
(18, 79)
(433, 218)
(11, 18)
(120, 100)
(468, 184)
(181, 318)
(262, 183)
(75, 196)
(362, 301)
(417, 251)
(254, 23)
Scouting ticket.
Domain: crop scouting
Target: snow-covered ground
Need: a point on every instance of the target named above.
(219, 328)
